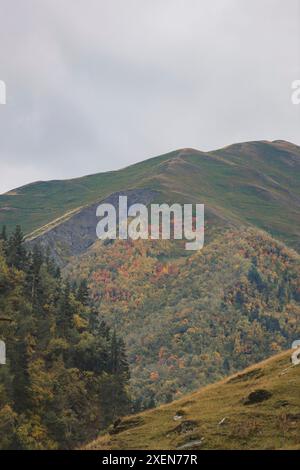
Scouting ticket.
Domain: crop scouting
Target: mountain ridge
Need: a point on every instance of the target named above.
(205, 180)
(182, 151)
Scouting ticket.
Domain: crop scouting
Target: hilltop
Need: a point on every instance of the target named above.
(252, 183)
(258, 408)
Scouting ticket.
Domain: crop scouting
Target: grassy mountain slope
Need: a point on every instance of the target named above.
(255, 183)
(191, 320)
(218, 416)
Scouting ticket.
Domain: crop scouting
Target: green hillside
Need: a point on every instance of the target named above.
(255, 183)
(39, 203)
(256, 409)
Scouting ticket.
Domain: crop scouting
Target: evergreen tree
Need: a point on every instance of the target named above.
(120, 370)
(119, 364)
(65, 314)
(34, 264)
(21, 379)
(83, 292)
(3, 240)
(16, 251)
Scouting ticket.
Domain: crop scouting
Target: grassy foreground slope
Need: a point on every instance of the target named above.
(221, 416)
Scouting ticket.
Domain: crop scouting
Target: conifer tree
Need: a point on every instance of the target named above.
(83, 292)
(16, 250)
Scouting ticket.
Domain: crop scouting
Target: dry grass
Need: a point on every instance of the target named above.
(271, 424)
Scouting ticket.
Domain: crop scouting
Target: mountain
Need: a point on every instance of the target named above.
(254, 183)
(188, 318)
(255, 409)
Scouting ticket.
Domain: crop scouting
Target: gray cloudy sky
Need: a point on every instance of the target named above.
(94, 85)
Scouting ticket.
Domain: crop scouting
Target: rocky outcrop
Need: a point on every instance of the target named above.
(74, 235)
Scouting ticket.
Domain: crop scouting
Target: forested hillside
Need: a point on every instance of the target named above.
(66, 374)
(190, 320)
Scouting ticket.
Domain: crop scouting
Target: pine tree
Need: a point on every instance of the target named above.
(16, 251)
(21, 379)
(83, 292)
(120, 370)
(3, 239)
(65, 314)
(35, 262)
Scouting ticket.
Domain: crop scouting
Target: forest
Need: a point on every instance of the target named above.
(67, 374)
(192, 319)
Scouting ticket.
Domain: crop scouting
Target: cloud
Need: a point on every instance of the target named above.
(94, 85)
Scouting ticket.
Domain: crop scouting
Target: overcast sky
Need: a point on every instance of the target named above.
(94, 85)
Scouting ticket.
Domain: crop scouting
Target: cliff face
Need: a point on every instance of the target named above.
(74, 235)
